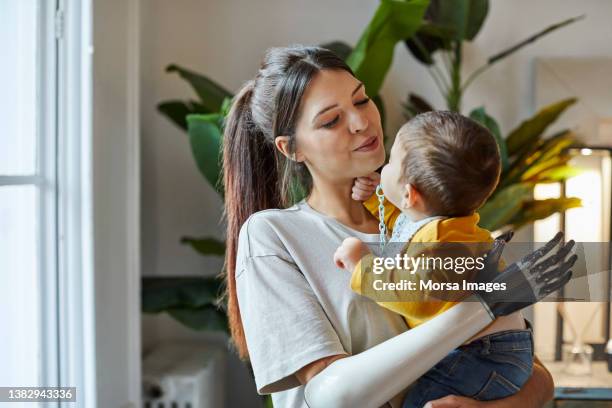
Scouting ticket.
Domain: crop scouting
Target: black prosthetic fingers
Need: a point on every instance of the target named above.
(528, 280)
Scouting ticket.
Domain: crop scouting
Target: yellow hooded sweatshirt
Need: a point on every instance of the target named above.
(418, 306)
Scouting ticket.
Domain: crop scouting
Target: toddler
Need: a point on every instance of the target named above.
(442, 168)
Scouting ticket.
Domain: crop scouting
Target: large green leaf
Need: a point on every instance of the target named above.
(226, 106)
(534, 210)
(414, 105)
(447, 21)
(549, 151)
(393, 21)
(556, 174)
(205, 137)
(552, 146)
(545, 163)
(530, 130)
(464, 16)
(205, 246)
(177, 111)
(511, 50)
(161, 294)
(534, 172)
(340, 48)
(203, 318)
(210, 93)
(504, 205)
(481, 116)
(429, 38)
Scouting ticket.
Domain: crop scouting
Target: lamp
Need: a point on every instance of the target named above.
(590, 223)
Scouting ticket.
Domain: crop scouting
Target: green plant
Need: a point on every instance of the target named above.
(190, 300)
(528, 156)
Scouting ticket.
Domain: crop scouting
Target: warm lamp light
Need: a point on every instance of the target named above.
(589, 223)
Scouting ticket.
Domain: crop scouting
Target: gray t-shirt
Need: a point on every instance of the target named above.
(296, 305)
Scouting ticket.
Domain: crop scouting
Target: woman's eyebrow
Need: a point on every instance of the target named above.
(334, 105)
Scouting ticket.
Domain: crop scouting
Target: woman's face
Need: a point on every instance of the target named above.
(339, 133)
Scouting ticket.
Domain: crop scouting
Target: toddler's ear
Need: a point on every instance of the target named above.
(411, 197)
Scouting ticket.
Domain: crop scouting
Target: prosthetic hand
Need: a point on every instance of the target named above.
(534, 277)
(373, 377)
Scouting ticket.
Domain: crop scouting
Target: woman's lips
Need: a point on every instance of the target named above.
(371, 143)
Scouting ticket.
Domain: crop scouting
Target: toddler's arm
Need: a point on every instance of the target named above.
(364, 187)
(349, 253)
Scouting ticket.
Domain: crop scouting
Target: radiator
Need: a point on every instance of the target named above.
(184, 375)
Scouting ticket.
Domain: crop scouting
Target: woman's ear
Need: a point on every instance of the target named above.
(282, 144)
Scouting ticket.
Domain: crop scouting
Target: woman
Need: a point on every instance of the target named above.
(290, 310)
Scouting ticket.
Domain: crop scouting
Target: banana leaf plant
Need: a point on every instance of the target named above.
(190, 300)
(528, 155)
(202, 119)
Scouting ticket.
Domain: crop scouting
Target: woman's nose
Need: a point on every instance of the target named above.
(358, 122)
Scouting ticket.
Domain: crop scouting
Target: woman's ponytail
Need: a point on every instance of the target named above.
(256, 175)
(251, 184)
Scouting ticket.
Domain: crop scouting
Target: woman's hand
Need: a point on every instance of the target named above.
(365, 186)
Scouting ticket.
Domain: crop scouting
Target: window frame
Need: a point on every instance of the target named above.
(63, 181)
(76, 296)
(47, 183)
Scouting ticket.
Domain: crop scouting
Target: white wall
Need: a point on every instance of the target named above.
(226, 40)
(115, 202)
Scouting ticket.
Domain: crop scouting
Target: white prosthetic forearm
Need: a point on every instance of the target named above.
(373, 377)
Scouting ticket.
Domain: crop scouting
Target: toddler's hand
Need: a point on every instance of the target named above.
(350, 253)
(365, 186)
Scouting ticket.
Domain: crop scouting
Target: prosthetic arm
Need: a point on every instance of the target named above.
(373, 377)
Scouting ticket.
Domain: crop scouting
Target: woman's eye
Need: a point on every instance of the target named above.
(363, 101)
(331, 123)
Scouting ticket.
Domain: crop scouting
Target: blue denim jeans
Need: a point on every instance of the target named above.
(488, 368)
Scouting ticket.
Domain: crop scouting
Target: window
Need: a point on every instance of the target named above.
(46, 273)
(27, 198)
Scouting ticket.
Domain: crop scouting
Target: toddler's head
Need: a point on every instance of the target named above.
(441, 163)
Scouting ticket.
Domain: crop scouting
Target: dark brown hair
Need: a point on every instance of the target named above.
(451, 160)
(256, 175)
